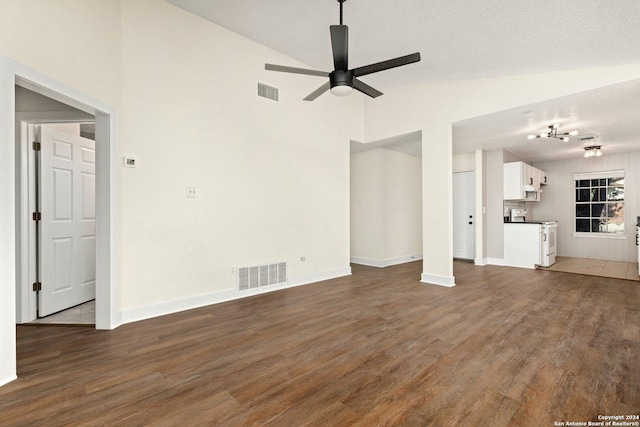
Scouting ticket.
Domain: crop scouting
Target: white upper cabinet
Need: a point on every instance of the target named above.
(522, 182)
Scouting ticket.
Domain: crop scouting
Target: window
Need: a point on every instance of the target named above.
(599, 202)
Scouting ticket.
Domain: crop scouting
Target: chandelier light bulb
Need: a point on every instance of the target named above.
(565, 139)
(544, 135)
(531, 137)
(573, 133)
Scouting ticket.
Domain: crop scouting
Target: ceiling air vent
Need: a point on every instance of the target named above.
(588, 137)
(268, 92)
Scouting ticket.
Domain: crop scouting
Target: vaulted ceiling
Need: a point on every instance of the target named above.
(461, 39)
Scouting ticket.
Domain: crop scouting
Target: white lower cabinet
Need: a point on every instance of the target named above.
(521, 245)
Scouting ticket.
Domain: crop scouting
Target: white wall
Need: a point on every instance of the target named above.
(434, 107)
(557, 202)
(494, 217)
(367, 206)
(464, 162)
(386, 208)
(272, 176)
(402, 207)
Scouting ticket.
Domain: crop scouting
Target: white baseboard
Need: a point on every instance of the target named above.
(8, 380)
(495, 261)
(432, 279)
(480, 262)
(381, 263)
(168, 307)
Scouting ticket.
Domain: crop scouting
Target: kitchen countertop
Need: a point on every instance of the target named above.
(530, 222)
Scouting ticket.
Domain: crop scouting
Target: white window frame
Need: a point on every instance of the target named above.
(590, 176)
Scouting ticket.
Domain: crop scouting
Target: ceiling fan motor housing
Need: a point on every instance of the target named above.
(341, 78)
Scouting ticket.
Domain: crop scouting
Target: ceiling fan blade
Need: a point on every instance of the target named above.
(316, 93)
(340, 45)
(385, 65)
(365, 88)
(294, 70)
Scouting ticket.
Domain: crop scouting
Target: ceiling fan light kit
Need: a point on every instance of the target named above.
(342, 80)
(552, 132)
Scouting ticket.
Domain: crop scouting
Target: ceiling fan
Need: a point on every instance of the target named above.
(343, 80)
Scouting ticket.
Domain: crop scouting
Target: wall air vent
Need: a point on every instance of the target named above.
(260, 276)
(269, 92)
(588, 137)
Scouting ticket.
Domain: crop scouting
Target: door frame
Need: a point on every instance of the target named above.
(108, 315)
(26, 301)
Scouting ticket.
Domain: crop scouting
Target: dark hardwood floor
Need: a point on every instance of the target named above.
(505, 347)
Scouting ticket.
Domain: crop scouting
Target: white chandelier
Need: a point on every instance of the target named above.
(552, 132)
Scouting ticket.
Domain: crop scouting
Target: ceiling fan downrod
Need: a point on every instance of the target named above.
(341, 1)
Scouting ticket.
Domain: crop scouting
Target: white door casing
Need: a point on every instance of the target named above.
(463, 215)
(67, 238)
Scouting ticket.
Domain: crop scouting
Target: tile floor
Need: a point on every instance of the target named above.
(596, 267)
(83, 314)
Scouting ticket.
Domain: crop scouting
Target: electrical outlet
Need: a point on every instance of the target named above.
(192, 192)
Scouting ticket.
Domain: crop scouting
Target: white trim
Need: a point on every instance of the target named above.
(601, 236)
(8, 380)
(495, 261)
(381, 263)
(480, 262)
(598, 175)
(432, 279)
(107, 287)
(168, 307)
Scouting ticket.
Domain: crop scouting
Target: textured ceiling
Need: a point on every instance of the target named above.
(612, 113)
(462, 39)
(458, 39)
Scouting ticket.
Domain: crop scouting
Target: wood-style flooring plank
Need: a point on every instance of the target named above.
(504, 347)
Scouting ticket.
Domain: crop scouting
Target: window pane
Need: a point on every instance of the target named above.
(597, 226)
(615, 210)
(615, 193)
(616, 182)
(594, 182)
(603, 182)
(582, 225)
(583, 210)
(614, 226)
(584, 183)
(583, 195)
(597, 210)
(595, 195)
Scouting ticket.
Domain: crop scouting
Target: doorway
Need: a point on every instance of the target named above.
(79, 108)
(61, 194)
(463, 215)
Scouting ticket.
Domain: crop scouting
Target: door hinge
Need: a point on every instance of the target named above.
(37, 286)
(37, 216)
(36, 146)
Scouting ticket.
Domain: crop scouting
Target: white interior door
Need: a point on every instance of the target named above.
(463, 215)
(67, 237)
